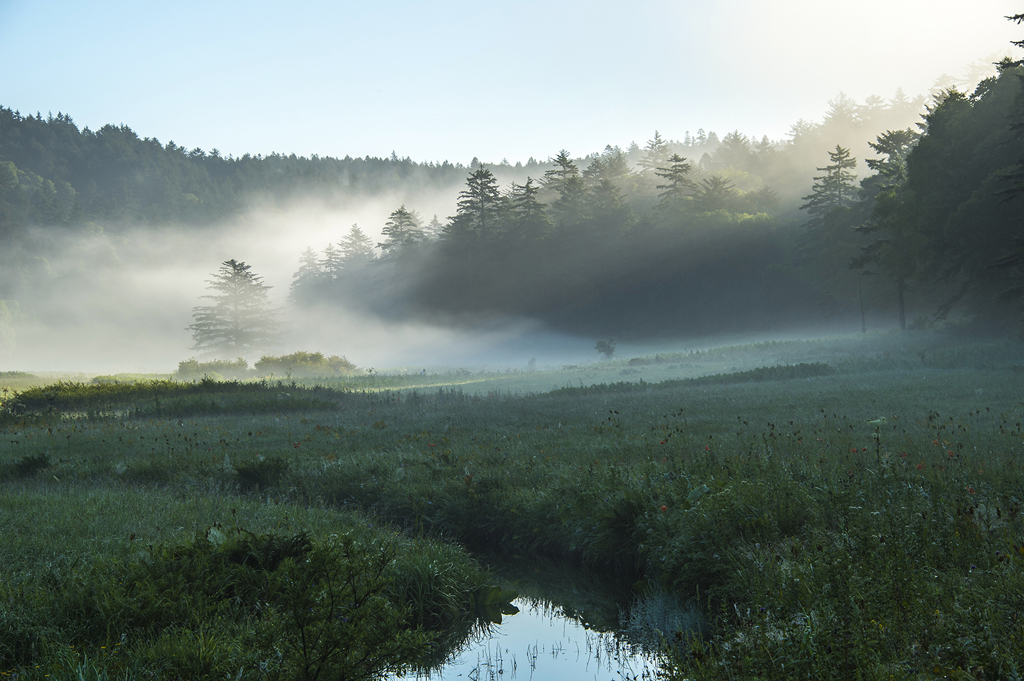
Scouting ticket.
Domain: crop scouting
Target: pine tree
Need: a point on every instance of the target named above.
(655, 153)
(834, 189)
(896, 250)
(527, 215)
(565, 180)
(678, 187)
(306, 277)
(479, 208)
(240, 319)
(715, 193)
(330, 264)
(830, 240)
(401, 230)
(356, 248)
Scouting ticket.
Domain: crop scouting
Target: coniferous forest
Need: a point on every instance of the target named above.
(888, 212)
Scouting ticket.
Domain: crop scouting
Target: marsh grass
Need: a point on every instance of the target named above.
(859, 520)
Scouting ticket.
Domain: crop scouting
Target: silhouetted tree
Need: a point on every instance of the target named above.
(401, 230)
(356, 248)
(306, 278)
(567, 183)
(715, 193)
(240, 318)
(479, 206)
(330, 264)
(678, 187)
(527, 217)
(897, 251)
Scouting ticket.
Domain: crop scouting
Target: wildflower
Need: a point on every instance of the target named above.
(970, 490)
(853, 451)
(920, 465)
(664, 508)
(903, 455)
(951, 455)
(662, 442)
(296, 444)
(865, 449)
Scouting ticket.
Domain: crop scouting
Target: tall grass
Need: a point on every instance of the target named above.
(860, 519)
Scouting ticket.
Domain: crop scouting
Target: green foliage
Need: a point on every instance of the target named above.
(330, 616)
(138, 399)
(30, 464)
(606, 347)
(192, 369)
(227, 600)
(304, 365)
(261, 473)
(868, 519)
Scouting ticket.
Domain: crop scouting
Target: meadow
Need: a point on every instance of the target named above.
(846, 507)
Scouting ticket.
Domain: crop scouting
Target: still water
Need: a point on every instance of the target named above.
(541, 642)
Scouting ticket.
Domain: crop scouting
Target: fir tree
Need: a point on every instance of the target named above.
(240, 319)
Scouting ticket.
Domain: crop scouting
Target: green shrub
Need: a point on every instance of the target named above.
(261, 473)
(192, 369)
(304, 365)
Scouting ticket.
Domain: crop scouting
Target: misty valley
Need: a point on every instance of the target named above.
(711, 408)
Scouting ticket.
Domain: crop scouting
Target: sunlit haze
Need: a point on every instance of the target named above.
(456, 80)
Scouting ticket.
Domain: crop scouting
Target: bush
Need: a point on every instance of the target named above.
(192, 369)
(304, 365)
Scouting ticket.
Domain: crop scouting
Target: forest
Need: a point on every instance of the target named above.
(888, 212)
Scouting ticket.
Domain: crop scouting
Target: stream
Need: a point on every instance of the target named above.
(570, 626)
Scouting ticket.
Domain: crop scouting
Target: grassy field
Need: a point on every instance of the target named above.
(837, 508)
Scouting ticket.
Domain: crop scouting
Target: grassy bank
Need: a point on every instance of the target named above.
(849, 513)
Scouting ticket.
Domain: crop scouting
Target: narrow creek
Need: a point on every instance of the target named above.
(571, 626)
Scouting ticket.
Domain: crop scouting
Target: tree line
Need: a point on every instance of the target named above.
(670, 245)
(702, 235)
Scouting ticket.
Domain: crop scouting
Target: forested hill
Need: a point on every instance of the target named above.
(52, 172)
(877, 209)
(678, 247)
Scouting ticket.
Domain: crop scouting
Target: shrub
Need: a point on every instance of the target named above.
(304, 365)
(261, 473)
(192, 369)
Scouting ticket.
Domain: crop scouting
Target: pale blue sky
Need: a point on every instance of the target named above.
(457, 79)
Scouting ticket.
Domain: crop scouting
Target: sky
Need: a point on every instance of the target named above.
(453, 80)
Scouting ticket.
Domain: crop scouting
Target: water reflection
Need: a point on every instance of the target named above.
(542, 642)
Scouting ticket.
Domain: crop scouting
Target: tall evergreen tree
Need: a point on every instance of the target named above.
(527, 215)
(331, 264)
(306, 277)
(835, 189)
(898, 248)
(678, 187)
(402, 230)
(479, 207)
(240, 318)
(356, 248)
(567, 183)
(656, 153)
(715, 193)
(830, 241)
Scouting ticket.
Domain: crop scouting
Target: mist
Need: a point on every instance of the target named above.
(526, 265)
(121, 300)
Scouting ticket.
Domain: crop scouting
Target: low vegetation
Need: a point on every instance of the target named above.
(858, 513)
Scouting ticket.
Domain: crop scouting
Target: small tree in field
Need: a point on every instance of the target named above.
(606, 347)
(240, 318)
